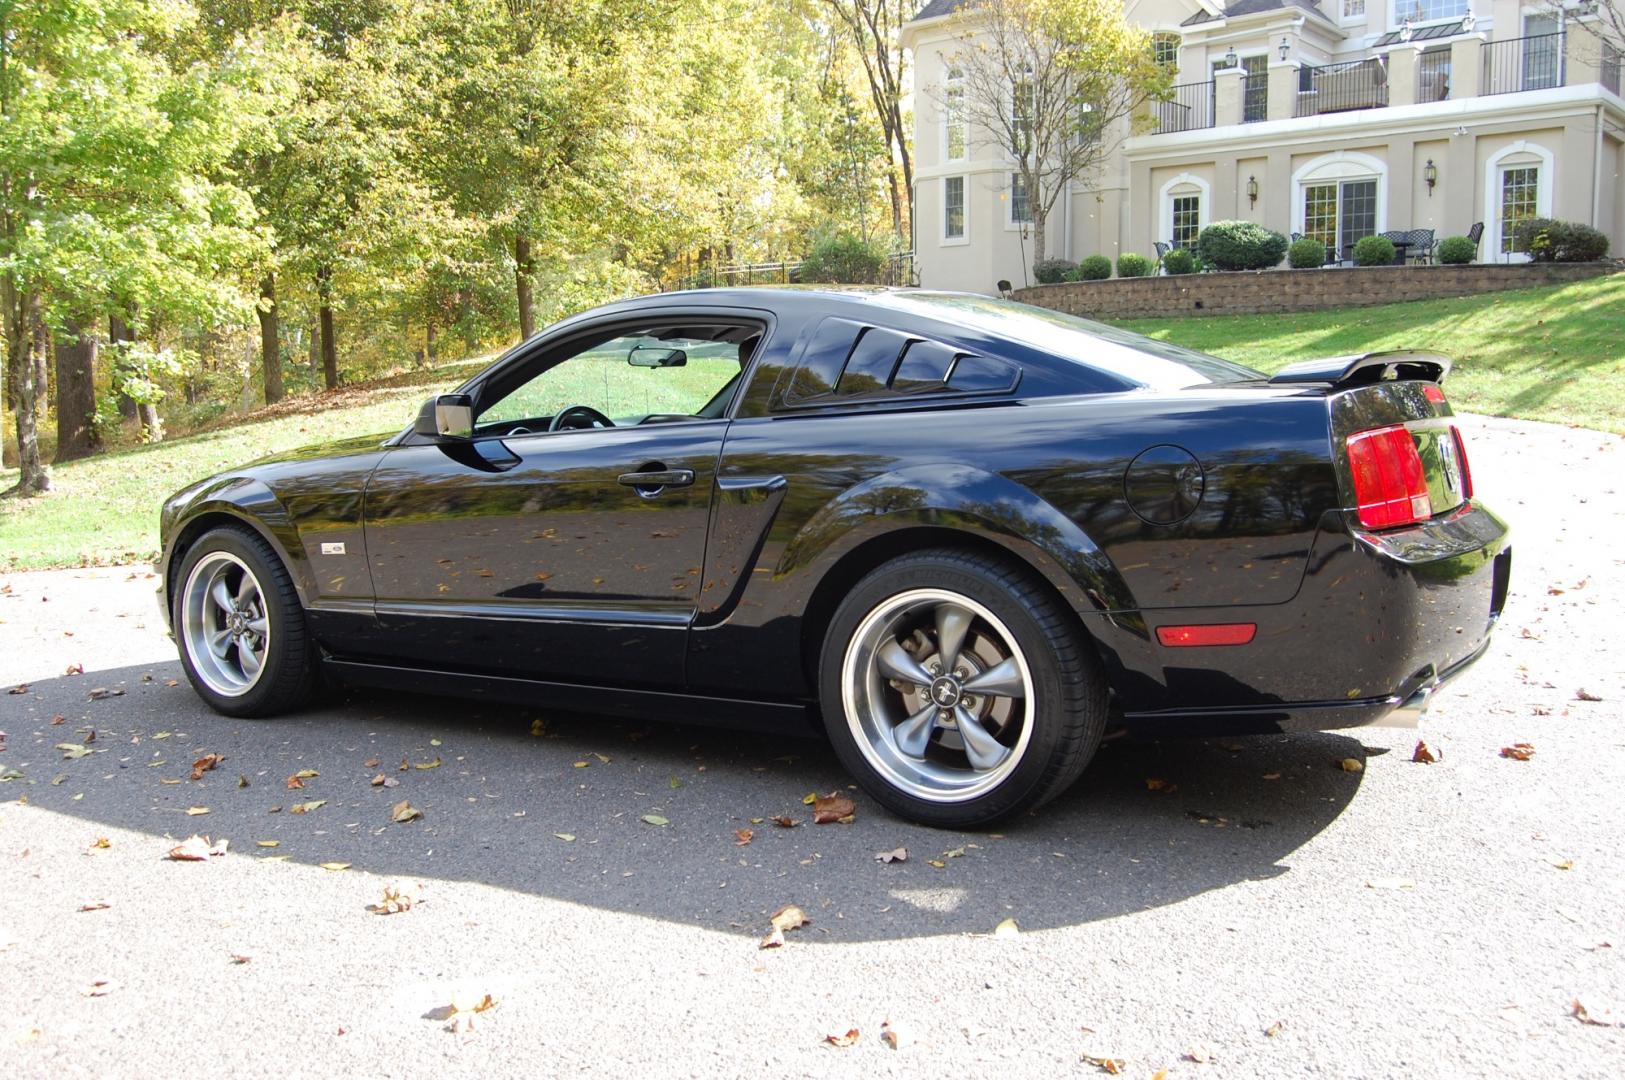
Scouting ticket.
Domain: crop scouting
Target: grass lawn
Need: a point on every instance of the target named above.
(1555, 353)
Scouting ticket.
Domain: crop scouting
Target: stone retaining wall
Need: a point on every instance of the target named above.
(1268, 291)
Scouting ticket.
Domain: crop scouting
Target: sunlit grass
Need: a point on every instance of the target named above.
(1555, 353)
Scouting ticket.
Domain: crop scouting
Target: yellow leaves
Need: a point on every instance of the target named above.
(384, 781)
(1519, 751)
(72, 751)
(654, 819)
(335, 866)
(1353, 765)
(568, 838)
(398, 897)
(307, 807)
(1112, 1065)
(206, 763)
(789, 917)
(809, 798)
(1007, 928)
(538, 727)
(842, 1041)
(267, 843)
(435, 764)
(743, 837)
(581, 764)
(196, 811)
(404, 811)
(102, 843)
(1391, 883)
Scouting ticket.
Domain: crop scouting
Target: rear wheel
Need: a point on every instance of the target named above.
(240, 627)
(957, 690)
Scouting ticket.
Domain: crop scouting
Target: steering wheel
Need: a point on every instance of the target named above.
(570, 417)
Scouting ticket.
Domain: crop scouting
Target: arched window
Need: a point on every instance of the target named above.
(1517, 185)
(1340, 198)
(1165, 49)
(955, 131)
(1184, 201)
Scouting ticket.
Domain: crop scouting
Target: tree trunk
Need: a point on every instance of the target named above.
(270, 349)
(330, 350)
(20, 314)
(76, 435)
(118, 332)
(524, 266)
(429, 343)
(896, 204)
(1038, 224)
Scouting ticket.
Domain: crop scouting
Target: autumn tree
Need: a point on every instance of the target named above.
(874, 28)
(1056, 83)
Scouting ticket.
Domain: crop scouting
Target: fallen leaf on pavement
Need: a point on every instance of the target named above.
(237, 959)
(370, 763)
(538, 727)
(1007, 928)
(789, 917)
(938, 863)
(242, 780)
(1349, 764)
(268, 843)
(1114, 1066)
(101, 842)
(1583, 694)
(20, 688)
(381, 780)
(335, 866)
(1199, 1054)
(294, 783)
(1423, 754)
(580, 764)
(1390, 883)
(1519, 751)
(567, 837)
(602, 758)
(98, 906)
(743, 837)
(75, 669)
(306, 807)
(783, 821)
(103, 692)
(206, 763)
(398, 897)
(809, 798)
(1602, 1014)
(58, 719)
(1274, 1029)
(654, 819)
(404, 811)
(100, 988)
(435, 764)
(1154, 783)
(846, 1040)
(197, 848)
(894, 855)
(1271, 776)
(895, 1035)
(72, 751)
(833, 807)
(196, 811)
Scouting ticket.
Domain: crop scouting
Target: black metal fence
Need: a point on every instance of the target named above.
(1526, 63)
(1332, 88)
(898, 269)
(1189, 108)
(1433, 76)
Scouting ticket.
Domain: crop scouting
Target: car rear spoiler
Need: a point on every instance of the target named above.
(1366, 368)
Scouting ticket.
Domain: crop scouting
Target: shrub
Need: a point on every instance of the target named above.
(1374, 251)
(843, 259)
(1240, 245)
(1052, 271)
(1180, 261)
(1306, 254)
(1132, 265)
(1072, 275)
(1457, 250)
(1095, 268)
(1548, 240)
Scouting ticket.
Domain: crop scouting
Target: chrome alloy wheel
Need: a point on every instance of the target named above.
(938, 695)
(223, 624)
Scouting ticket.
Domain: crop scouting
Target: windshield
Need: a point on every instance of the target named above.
(1151, 363)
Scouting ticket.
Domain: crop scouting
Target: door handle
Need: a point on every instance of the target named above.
(658, 478)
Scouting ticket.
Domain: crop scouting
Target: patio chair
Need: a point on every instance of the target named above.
(1004, 288)
(1476, 234)
(1422, 245)
(1162, 249)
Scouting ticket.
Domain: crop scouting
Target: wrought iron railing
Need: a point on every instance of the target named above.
(1433, 76)
(898, 269)
(1611, 60)
(1526, 63)
(1189, 107)
(1357, 84)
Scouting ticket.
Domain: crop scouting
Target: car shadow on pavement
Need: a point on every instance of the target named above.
(647, 819)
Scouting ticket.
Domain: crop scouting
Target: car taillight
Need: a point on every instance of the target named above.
(1461, 457)
(1389, 489)
(1434, 393)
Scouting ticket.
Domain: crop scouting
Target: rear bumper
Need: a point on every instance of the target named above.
(1381, 623)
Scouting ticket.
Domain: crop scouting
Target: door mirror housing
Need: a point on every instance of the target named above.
(656, 356)
(446, 418)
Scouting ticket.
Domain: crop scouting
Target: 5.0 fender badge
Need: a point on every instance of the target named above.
(333, 549)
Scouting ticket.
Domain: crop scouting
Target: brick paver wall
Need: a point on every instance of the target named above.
(1264, 291)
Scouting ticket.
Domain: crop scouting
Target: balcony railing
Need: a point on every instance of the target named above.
(1189, 107)
(1433, 76)
(1358, 84)
(1609, 73)
(1526, 63)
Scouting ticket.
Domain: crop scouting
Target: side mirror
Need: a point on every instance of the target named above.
(656, 356)
(446, 416)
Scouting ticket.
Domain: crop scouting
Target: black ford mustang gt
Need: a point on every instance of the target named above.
(966, 534)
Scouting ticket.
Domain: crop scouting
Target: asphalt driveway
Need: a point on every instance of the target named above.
(1260, 906)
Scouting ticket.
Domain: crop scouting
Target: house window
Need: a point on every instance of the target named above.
(953, 208)
(1255, 94)
(1353, 9)
(1165, 48)
(1520, 192)
(1187, 218)
(1339, 213)
(1021, 207)
(955, 132)
(1021, 117)
(1420, 11)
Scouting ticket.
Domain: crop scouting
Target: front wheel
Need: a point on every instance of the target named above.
(240, 627)
(958, 690)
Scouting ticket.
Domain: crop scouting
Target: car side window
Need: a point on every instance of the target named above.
(848, 362)
(630, 379)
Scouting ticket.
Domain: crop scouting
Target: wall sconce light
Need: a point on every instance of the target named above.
(1430, 176)
(1283, 49)
(1408, 31)
(1252, 191)
(1468, 22)
(1230, 57)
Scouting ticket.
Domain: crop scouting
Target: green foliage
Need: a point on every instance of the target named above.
(1306, 254)
(1053, 271)
(1240, 245)
(1095, 268)
(1373, 251)
(1550, 240)
(1131, 265)
(1457, 250)
(1180, 261)
(843, 259)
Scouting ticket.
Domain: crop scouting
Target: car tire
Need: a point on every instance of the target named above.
(1011, 722)
(240, 627)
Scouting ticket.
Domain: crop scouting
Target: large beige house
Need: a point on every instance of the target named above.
(1334, 119)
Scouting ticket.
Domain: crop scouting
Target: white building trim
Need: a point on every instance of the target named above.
(1523, 151)
(1165, 203)
(1340, 165)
